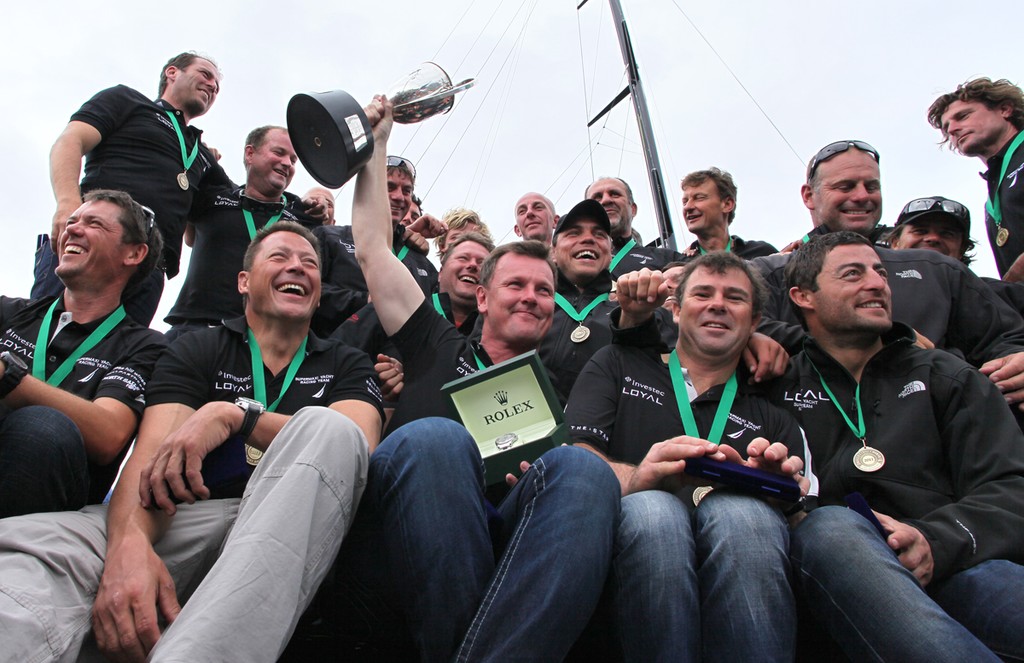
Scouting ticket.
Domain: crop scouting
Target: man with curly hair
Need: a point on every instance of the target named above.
(983, 118)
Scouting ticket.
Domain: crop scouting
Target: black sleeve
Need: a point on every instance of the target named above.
(182, 375)
(107, 109)
(982, 325)
(355, 379)
(778, 321)
(985, 452)
(591, 411)
(126, 381)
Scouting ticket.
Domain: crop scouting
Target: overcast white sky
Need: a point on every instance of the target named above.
(823, 71)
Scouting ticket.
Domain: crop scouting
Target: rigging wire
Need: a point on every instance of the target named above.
(451, 152)
(492, 135)
(739, 82)
(587, 101)
(452, 32)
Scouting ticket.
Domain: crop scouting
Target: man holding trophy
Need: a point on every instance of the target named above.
(424, 506)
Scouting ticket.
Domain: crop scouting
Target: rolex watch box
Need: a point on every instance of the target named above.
(512, 412)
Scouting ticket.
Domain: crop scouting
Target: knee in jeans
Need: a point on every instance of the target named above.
(50, 435)
(654, 520)
(429, 442)
(588, 473)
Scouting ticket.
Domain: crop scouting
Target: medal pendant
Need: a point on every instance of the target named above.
(868, 459)
(252, 455)
(699, 493)
(580, 334)
(183, 181)
(1001, 236)
(506, 441)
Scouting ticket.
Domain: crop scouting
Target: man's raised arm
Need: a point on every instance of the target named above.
(77, 140)
(392, 288)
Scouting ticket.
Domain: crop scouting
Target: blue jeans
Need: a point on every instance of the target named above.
(420, 555)
(747, 607)
(43, 466)
(869, 603)
(989, 600)
(653, 588)
(711, 584)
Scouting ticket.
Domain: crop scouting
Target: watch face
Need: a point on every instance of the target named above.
(9, 359)
(249, 403)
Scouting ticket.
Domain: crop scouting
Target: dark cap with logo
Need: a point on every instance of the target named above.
(587, 210)
(937, 205)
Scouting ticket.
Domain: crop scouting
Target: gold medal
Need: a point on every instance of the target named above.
(868, 459)
(183, 181)
(699, 493)
(580, 334)
(252, 455)
(1002, 235)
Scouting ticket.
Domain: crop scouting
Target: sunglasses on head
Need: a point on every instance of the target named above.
(149, 218)
(838, 147)
(402, 162)
(948, 206)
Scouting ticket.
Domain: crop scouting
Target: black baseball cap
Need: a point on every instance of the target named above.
(585, 210)
(920, 207)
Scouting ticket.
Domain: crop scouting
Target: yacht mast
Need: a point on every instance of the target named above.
(635, 90)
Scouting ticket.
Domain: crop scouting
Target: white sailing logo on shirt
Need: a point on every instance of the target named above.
(89, 377)
(320, 394)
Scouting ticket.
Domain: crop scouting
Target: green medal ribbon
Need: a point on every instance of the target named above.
(251, 224)
(686, 410)
(39, 355)
(992, 206)
(186, 158)
(437, 306)
(479, 364)
(728, 247)
(579, 316)
(401, 254)
(859, 430)
(621, 254)
(259, 383)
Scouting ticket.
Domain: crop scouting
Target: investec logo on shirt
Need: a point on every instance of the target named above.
(508, 409)
(234, 384)
(16, 344)
(636, 389)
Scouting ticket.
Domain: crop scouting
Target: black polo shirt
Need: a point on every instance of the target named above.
(344, 289)
(1011, 204)
(624, 402)
(746, 249)
(214, 364)
(433, 352)
(118, 367)
(139, 152)
(210, 291)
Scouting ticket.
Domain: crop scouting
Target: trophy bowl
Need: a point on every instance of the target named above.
(426, 92)
(332, 136)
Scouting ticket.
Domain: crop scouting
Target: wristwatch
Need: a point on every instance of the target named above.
(252, 409)
(14, 370)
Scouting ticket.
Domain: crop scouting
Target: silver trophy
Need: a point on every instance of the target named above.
(332, 136)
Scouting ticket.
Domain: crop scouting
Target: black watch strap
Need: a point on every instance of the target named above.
(253, 410)
(14, 371)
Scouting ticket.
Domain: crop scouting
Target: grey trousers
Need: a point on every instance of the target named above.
(245, 570)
